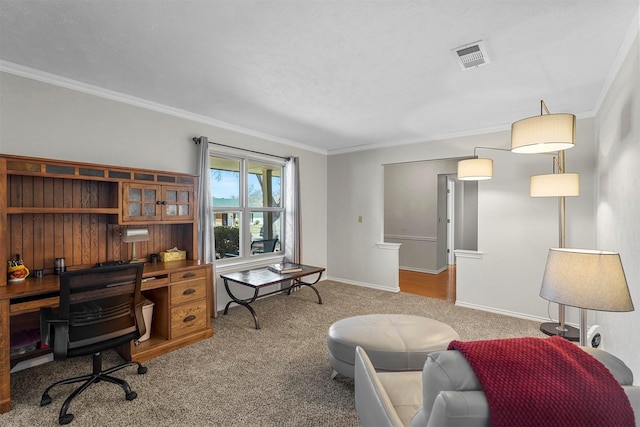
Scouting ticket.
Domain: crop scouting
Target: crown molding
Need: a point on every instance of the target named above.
(55, 80)
(623, 52)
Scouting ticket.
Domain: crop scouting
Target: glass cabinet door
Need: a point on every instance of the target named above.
(177, 203)
(141, 202)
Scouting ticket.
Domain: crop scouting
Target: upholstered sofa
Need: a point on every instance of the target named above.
(445, 393)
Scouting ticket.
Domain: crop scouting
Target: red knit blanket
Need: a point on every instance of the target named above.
(545, 382)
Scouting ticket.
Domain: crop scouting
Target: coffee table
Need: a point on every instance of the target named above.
(260, 278)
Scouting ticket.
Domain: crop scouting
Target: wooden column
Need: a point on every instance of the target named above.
(5, 367)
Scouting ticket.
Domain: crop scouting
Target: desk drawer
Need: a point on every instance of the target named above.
(189, 290)
(188, 318)
(187, 275)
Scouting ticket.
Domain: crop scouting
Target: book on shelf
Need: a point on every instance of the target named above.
(284, 268)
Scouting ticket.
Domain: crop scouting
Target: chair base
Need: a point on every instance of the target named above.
(96, 376)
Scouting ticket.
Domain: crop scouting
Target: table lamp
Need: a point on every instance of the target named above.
(588, 280)
(133, 235)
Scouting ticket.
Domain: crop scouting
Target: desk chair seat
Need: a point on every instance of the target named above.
(100, 309)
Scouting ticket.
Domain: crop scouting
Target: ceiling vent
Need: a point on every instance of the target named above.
(471, 55)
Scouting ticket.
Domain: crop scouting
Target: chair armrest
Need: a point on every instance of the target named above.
(60, 336)
(373, 405)
(633, 393)
(46, 316)
(460, 409)
(617, 367)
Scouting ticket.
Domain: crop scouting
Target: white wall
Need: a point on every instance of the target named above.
(618, 201)
(515, 231)
(43, 120)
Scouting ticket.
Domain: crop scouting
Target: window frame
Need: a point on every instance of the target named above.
(245, 255)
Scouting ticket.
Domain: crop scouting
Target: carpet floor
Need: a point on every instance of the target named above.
(275, 376)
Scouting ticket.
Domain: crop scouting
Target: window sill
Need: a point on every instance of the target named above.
(231, 264)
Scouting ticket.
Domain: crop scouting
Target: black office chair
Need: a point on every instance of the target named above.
(100, 308)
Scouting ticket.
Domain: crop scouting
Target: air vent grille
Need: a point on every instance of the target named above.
(471, 55)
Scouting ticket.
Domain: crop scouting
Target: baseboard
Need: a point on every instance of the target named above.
(422, 270)
(506, 312)
(363, 284)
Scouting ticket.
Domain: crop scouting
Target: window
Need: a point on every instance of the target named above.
(248, 207)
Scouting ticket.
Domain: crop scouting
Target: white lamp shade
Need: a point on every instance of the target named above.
(555, 185)
(592, 280)
(475, 169)
(543, 134)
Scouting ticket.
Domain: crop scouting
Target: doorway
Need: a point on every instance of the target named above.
(430, 213)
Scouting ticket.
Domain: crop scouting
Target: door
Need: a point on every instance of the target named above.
(451, 191)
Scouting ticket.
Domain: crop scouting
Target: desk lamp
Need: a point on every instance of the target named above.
(133, 235)
(586, 279)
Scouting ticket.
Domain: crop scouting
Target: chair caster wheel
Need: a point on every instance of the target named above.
(142, 370)
(46, 399)
(132, 395)
(65, 419)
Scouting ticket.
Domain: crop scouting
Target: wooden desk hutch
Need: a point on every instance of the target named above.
(51, 209)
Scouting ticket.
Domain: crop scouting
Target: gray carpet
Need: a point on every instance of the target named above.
(275, 376)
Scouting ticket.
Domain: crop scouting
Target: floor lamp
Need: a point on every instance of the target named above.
(548, 133)
(560, 185)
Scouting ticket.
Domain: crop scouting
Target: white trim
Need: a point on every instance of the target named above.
(623, 52)
(43, 76)
(421, 270)
(416, 238)
(451, 220)
(363, 284)
(230, 267)
(421, 139)
(438, 137)
(463, 253)
(502, 312)
(52, 79)
(388, 246)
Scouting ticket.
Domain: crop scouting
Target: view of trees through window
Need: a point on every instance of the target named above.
(248, 209)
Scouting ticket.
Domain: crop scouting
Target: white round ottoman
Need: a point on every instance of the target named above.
(393, 342)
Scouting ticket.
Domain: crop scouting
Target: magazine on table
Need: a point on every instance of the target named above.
(285, 267)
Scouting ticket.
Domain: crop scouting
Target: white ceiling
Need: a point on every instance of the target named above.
(332, 75)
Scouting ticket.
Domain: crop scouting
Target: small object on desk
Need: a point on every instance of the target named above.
(59, 267)
(16, 270)
(109, 263)
(173, 254)
(285, 268)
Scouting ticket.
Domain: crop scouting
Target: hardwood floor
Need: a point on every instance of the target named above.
(441, 286)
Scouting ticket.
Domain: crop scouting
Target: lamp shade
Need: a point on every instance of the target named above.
(592, 280)
(544, 133)
(135, 235)
(555, 185)
(475, 169)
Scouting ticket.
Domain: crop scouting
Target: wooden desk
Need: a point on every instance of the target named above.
(259, 278)
(180, 290)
